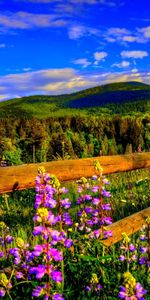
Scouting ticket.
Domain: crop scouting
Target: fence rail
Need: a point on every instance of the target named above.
(129, 225)
(23, 177)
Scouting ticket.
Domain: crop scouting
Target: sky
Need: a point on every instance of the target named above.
(63, 46)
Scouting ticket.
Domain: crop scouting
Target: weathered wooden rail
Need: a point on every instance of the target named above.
(129, 225)
(23, 177)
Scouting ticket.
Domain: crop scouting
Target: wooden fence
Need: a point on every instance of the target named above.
(23, 177)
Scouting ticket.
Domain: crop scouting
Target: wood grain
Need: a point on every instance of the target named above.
(23, 177)
(129, 225)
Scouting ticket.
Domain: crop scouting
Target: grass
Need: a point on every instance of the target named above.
(86, 258)
(129, 193)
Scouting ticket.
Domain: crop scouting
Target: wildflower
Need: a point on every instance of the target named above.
(9, 239)
(132, 248)
(39, 271)
(19, 275)
(2, 292)
(38, 249)
(1, 254)
(68, 243)
(65, 203)
(56, 276)
(131, 290)
(38, 291)
(56, 254)
(143, 249)
(142, 260)
(57, 297)
(122, 257)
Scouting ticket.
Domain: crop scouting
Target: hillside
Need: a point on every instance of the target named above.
(124, 98)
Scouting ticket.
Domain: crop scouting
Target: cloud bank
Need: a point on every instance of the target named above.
(60, 81)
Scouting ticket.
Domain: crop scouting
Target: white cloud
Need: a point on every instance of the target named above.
(129, 38)
(145, 31)
(134, 70)
(2, 45)
(118, 31)
(78, 31)
(123, 64)
(98, 56)
(60, 81)
(25, 20)
(124, 36)
(134, 54)
(82, 61)
(27, 69)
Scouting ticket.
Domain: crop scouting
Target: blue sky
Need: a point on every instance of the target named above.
(62, 46)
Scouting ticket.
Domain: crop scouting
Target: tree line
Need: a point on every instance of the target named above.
(24, 140)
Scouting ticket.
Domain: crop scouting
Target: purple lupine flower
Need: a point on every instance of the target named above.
(80, 213)
(96, 233)
(90, 222)
(37, 291)
(57, 297)
(9, 239)
(64, 190)
(2, 292)
(65, 203)
(38, 179)
(143, 237)
(140, 292)
(46, 177)
(68, 243)
(143, 249)
(88, 197)
(99, 286)
(55, 235)
(106, 220)
(105, 181)
(1, 254)
(96, 201)
(122, 257)
(142, 260)
(80, 189)
(132, 248)
(19, 274)
(56, 276)
(134, 257)
(38, 230)
(106, 194)
(38, 249)
(88, 288)
(67, 219)
(94, 177)
(95, 212)
(56, 254)
(88, 210)
(94, 221)
(106, 206)
(122, 294)
(107, 233)
(95, 189)
(38, 200)
(51, 203)
(39, 271)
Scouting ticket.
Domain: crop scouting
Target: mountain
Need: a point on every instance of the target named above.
(123, 97)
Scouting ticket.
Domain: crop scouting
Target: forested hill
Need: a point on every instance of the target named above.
(124, 98)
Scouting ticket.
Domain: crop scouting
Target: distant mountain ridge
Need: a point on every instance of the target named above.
(104, 96)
